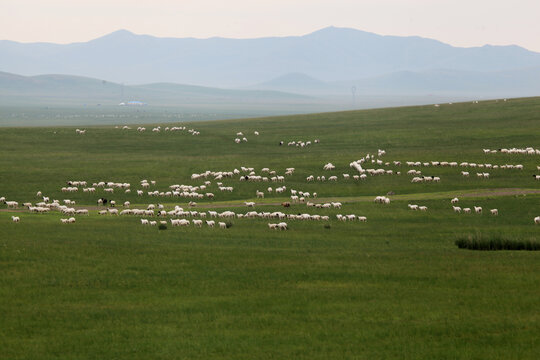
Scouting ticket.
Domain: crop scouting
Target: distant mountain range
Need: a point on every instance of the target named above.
(316, 72)
(330, 55)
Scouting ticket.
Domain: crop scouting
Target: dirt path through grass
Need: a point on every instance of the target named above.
(476, 193)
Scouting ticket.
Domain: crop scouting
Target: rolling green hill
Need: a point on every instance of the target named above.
(394, 287)
(67, 89)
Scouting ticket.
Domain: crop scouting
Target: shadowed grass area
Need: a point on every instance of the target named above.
(495, 242)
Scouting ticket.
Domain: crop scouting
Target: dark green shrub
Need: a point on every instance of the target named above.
(495, 242)
(162, 227)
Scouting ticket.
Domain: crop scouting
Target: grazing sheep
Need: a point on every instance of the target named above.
(422, 208)
(537, 220)
(413, 206)
(12, 204)
(456, 209)
(222, 225)
(210, 223)
(494, 212)
(15, 219)
(454, 200)
(467, 210)
(478, 209)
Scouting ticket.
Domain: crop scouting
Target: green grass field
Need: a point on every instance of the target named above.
(395, 287)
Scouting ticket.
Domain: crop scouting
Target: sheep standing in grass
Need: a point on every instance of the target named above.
(12, 204)
(413, 206)
(15, 219)
(494, 212)
(537, 220)
(222, 225)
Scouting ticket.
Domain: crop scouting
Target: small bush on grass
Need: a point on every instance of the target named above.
(495, 242)
(162, 227)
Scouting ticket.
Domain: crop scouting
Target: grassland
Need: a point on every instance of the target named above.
(394, 287)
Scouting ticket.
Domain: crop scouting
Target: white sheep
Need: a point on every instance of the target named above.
(537, 220)
(222, 225)
(494, 212)
(12, 204)
(15, 219)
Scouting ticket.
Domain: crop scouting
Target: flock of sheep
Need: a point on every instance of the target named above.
(178, 216)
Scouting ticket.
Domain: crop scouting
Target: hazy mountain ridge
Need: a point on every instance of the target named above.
(508, 83)
(83, 89)
(330, 54)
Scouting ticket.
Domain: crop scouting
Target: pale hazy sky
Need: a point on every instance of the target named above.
(457, 22)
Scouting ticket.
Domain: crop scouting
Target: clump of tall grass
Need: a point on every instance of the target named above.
(481, 241)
